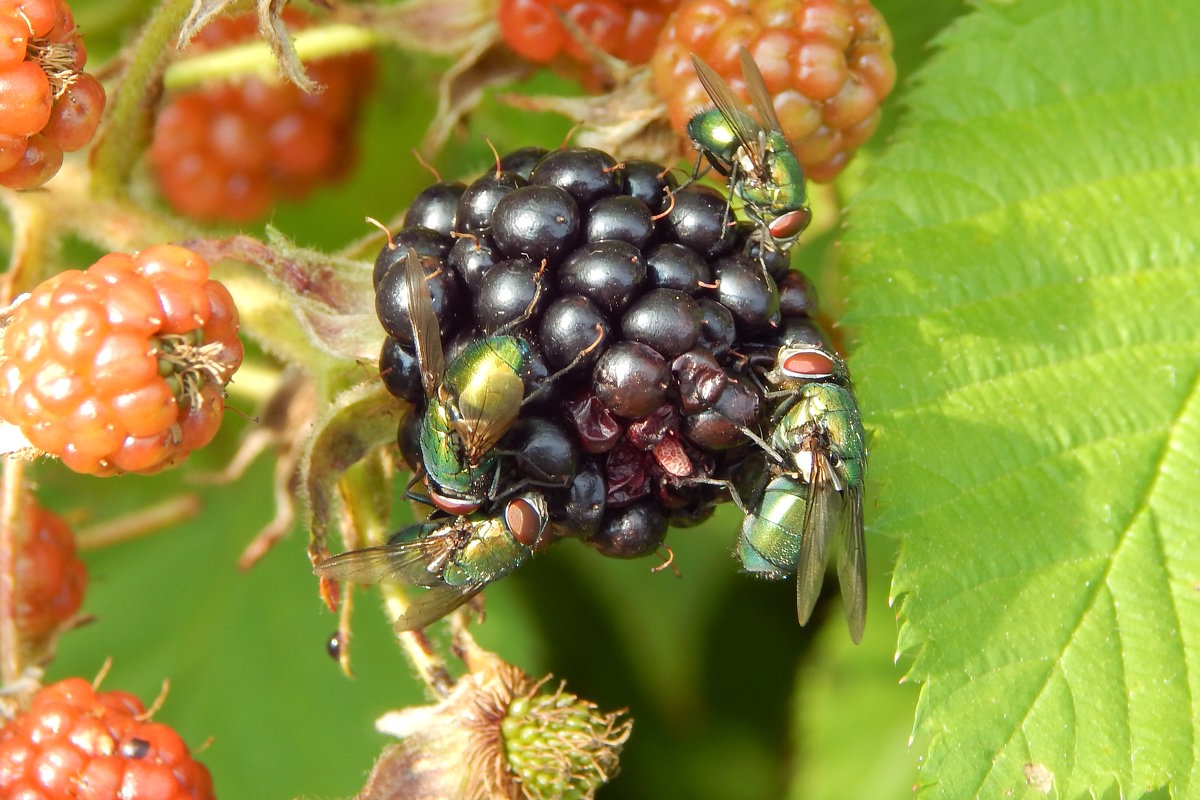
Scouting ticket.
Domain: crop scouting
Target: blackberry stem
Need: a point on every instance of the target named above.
(365, 488)
(256, 58)
(12, 488)
(123, 138)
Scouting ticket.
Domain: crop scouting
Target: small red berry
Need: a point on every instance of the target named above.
(76, 742)
(50, 579)
(25, 99)
(121, 368)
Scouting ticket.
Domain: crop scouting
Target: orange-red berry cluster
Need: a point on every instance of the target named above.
(50, 577)
(230, 152)
(121, 367)
(76, 742)
(48, 105)
(827, 63)
(627, 29)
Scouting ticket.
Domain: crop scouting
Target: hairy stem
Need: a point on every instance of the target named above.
(130, 114)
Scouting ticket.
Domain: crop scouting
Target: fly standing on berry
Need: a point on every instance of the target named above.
(463, 417)
(817, 465)
(470, 403)
(758, 161)
(454, 558)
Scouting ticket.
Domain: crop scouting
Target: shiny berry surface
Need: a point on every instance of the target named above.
(479, 200)
(538, 222)
(585, 173)
(510, 295)
(436, 207)
(701, 219)
(631, 532)
(570, 326)
(631, 379)
(391, 300)
(666, 319)
(675, 266)
(609, 273)
(620, 217)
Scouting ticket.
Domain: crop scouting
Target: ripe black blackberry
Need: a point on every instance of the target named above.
(647, 304)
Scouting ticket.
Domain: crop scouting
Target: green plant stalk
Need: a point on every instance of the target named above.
(256, 59)
(12, 486)
(130, 113)
(366, 495)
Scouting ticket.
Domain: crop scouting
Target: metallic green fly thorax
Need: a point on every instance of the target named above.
(444, 455)
(754, 154)
(824, 422)
(716, 138)
(489, 554)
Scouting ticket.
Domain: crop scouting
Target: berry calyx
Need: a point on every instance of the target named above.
(121, 367)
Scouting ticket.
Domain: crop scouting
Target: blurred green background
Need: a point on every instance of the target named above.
(731, 699)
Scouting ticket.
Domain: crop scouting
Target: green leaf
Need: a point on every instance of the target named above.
(1025, 278)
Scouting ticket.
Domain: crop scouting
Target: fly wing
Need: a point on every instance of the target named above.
(432, 605)
(415, 562)
(852, 564)
(731, 107)
(760, 97)
(487, 411)
(821, 519)
(427, 334)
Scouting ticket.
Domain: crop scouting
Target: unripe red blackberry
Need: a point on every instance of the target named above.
(50, 579)
(626, 29)
(230, 152)
(827, 65)
(48, 105)
(76, 742)
(121, 367)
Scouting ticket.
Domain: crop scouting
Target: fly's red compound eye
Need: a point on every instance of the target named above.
(525, 520)
(790, 224)
(809, 364)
